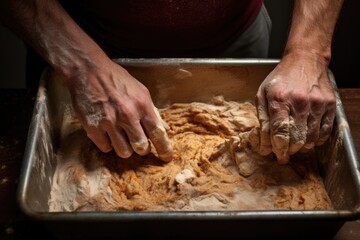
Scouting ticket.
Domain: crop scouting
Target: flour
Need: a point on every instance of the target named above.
(70, 189)
(216, 166)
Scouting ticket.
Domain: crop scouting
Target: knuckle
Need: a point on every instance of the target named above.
(280, 127)
(299, 96)
(278, 96)
(300, 101)
(317, 100)
(274, 106)
(126, 112)
(331, 103)
(107, 122)
(142, 103)
(317, 106)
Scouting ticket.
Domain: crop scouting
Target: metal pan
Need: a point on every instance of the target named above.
(186, 80)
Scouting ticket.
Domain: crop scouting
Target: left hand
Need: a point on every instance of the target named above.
(296, 106)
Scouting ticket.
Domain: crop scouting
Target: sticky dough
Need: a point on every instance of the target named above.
(215, 167)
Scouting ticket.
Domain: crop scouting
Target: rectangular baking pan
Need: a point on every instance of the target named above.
(186, 80)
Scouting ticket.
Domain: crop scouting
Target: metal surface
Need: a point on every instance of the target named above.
(186, 80)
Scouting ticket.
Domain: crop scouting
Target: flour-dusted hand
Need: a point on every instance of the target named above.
(117, 111)
(296, 102)
(296, 107)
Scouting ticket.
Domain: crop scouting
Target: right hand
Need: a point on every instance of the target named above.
(296, 105)
(117, 112)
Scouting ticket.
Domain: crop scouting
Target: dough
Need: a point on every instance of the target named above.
(215, 167)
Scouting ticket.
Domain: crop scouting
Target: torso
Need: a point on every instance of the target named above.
(160, 28)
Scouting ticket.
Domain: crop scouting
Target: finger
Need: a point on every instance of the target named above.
(298, 129)
(159, 138)
(99, 138)
(280, 140)
(297, 132)
(265, 142)
(156, 131)
(279, 130)
(313, 125)
(156, 110)
(327, 122)
(138, 140)
(120, 143)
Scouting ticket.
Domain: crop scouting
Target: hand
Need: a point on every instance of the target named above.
(296, 106)
(117, 112)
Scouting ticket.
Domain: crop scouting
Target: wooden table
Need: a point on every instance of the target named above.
(15, 113)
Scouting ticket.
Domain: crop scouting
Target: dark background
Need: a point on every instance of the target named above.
(345, 61)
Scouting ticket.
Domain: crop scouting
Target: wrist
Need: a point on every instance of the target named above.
(300, 52)
(79, 65)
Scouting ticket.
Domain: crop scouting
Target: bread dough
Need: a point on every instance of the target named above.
(215, 167)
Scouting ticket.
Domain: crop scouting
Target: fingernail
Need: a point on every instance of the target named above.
(141, 147)
(125, 153)
(108, 149)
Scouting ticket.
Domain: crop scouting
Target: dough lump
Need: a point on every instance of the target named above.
(215, 167)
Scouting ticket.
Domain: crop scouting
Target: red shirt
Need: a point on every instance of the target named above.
(162, 28)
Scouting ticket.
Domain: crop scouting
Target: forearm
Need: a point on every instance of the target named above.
(47, 27)
(312, 28)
